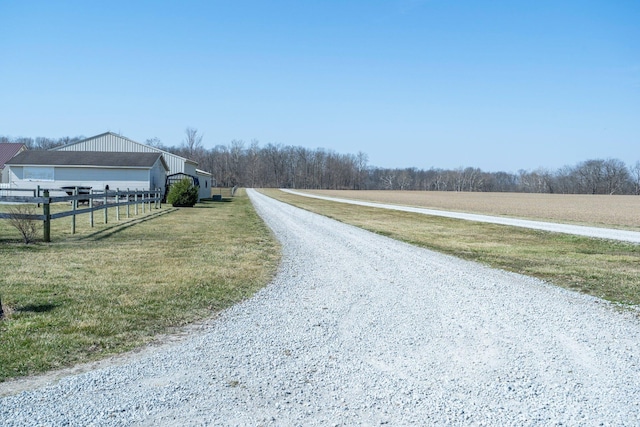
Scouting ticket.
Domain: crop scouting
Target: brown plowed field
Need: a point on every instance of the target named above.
(599, 210)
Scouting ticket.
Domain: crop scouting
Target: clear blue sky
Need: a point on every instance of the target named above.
(500, 85)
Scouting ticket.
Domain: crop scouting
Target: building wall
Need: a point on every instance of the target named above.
(96, 178)
(205, 184)
(158, 176)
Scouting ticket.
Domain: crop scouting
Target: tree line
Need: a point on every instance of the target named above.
(284, 166)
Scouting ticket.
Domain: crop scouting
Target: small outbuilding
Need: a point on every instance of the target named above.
(98, 170)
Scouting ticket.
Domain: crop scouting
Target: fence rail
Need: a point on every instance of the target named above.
(96, 200)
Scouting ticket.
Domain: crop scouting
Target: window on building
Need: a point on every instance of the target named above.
(38, 173)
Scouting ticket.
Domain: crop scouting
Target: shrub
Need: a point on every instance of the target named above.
(21, 217)
(183, 193)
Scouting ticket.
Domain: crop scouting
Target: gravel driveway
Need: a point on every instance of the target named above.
(358, 329)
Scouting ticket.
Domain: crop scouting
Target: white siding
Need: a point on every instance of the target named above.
(189, 169)
(96, 178)
(110, 142)
(205, 184)
(158, 176)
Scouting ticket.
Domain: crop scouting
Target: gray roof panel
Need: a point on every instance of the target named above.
(85, 158)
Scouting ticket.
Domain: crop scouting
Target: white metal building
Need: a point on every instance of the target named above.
(111, 142)
(98, 170)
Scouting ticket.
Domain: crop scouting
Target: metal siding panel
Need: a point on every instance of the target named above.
(190, 169)
(158, 176)
(111, 142)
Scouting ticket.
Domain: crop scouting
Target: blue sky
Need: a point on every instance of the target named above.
(500, 85)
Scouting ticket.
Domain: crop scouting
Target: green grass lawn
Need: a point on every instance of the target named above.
(112, 288)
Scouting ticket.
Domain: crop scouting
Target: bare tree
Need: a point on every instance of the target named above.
(236, 161)
(361, 166)
(253, 164)
(157, 143)
(616, 176)
(192, 142)
(42, 143)
(387, 181)
(275, 161)
(635, 177)
(590, 174)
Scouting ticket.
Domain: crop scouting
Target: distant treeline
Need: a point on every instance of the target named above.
(280, 166)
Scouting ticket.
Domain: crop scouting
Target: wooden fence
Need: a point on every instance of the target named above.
(95, 200)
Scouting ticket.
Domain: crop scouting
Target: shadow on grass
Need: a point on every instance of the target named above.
(36, 308)
(211, 201)
(117, 228)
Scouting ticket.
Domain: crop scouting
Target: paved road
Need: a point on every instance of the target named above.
(597, 232)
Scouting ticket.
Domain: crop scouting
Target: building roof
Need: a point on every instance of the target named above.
(115, 135)
(8, 150)
(87, 159)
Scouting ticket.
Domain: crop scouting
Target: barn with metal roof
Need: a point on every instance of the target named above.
(111, 142)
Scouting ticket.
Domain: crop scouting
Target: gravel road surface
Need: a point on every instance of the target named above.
(579, 230)
(358, 329)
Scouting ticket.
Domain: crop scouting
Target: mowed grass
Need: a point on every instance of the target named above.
(615, 211)
(113, 288)
(605, 269)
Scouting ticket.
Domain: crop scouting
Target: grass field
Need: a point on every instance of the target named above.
(601, 268)
(112, 288)
(599, 210)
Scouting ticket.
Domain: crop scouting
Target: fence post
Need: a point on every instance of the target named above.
(135, 205)
(128, 202)
(143, 203)
(74, 205)
(91, 208)
(105, 207)
(117, 204)
(46, 211)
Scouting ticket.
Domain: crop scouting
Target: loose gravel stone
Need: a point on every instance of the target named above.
(358, 329)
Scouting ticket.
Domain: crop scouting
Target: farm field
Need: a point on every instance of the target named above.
(115, 287)
(605, 269)
(597, 210)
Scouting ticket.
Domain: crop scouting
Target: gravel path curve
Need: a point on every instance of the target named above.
(358, 329)
(579, 230)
